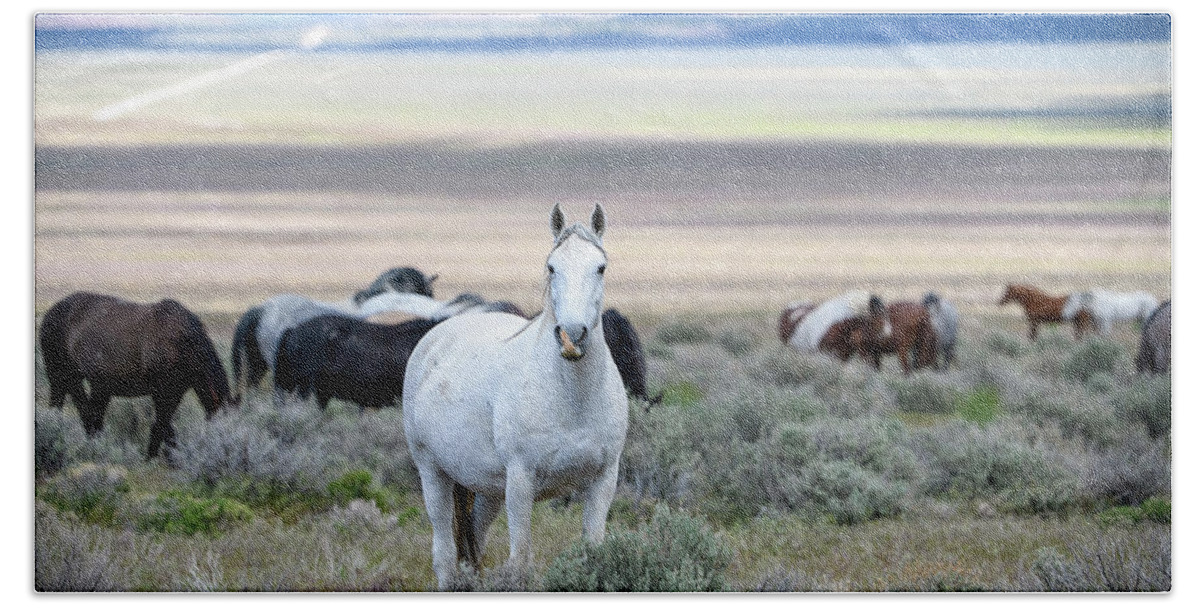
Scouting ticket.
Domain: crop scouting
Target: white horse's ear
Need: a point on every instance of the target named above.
(598, 220)
(556, 221)
(433, 278)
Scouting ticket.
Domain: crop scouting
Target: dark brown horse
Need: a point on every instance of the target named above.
(1041, 307)
(124, 349)
(1154, 350)
(912, 335)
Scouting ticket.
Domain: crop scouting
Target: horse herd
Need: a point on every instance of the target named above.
(926, 334)
(500, 408)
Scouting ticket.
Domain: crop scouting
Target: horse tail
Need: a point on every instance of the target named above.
(464, 526)
(245, 345)
(52, 341)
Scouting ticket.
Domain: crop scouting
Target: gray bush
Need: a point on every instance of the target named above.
(1107, 564)
(997, 462)
(1128, 473)
(1093, 356)
(674, 553)
(1146, 401)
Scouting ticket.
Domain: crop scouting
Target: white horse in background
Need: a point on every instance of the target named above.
(500, 410)
(816, 323)
(944, 318)
(1108, 307)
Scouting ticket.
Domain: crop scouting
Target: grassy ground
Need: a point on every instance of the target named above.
(1086, 525)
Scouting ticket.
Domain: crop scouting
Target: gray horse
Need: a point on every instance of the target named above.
(1154, 351)
(945, 326)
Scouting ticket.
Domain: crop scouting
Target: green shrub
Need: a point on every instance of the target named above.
(1157, 510)
(91, 491)
(981, 406)
(681, 393)
(359, 485)
(1005, 344)
(738, 341)
(675, 553)
(683, 332)
(926, 394)
(177, 512)
(1120, 515)
(1094, 356)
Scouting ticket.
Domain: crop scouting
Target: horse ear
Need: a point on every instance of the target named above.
(556, 221)
(432, 278)
(598, 220)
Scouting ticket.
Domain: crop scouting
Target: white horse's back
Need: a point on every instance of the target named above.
(807, 335)
(1108, 307)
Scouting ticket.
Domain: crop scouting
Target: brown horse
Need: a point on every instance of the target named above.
(124, 349)
(1041, 307)
(912, 334)
(846, 337)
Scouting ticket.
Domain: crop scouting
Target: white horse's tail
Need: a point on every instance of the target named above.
(464, 526)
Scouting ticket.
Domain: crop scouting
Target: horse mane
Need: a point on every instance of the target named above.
(204, 354)
(581, 231)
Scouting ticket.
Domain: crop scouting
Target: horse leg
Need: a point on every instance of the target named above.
(438, 491)
(165, 404)
(485, 512)
(596, 501)
(92, 410)
(518, 501)
(1033, 325)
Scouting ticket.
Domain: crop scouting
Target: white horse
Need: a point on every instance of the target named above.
(944, 318)
(1107, 307)
(500, 410)
(816, 323)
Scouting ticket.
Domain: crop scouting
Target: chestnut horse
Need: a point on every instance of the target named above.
(845, 336)
(912, 334)
(1041, 307)
(124, 349)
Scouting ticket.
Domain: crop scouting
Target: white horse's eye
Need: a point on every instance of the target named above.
(601, 269)
(550, 269)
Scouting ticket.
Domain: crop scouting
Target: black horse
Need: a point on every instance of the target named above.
(125, 349)
(249, 361)
(333, 356)
(627, 353)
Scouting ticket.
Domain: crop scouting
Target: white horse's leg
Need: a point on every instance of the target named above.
(438, 490)
(596, 502)
(518, 500)
(486, 510)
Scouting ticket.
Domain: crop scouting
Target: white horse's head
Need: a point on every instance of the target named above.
(575, 285)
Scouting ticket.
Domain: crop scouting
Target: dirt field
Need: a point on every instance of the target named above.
(695, 227)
